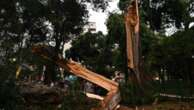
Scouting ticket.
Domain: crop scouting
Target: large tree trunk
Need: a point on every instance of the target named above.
(133, 39)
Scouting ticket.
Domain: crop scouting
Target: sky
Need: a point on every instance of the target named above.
(101, 17)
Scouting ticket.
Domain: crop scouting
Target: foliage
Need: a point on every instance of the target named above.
(116, 40)
(175, 54)
(76, 100)
(164, 13)
(131, 94)
(123, 4)
(116, 35)
(149, 40)
(51, 20)
(27, 22)
(92, 51)
(10, 97)
(116, 28)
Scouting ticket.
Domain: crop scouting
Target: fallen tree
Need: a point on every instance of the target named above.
(110, 101)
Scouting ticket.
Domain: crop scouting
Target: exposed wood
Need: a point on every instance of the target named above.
(109, 102)
(133, 38)
(84, 73)
(94, 96)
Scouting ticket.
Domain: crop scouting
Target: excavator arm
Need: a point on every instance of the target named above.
(110, 101)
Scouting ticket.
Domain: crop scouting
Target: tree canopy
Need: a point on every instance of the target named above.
(161, 14)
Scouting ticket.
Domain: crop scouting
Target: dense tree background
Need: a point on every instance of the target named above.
(158, 16)
(24, 23)
(167, 48)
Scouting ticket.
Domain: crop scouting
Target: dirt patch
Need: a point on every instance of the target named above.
(163, 106)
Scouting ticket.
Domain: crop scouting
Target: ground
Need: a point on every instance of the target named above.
(163, 106)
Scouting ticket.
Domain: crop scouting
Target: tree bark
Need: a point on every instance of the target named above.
(133, 39)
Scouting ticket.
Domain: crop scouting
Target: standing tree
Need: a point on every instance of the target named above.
(90, 49)
(25, 22)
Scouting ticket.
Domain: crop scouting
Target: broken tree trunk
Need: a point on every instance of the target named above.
(110, 101)
(133, 39)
